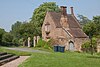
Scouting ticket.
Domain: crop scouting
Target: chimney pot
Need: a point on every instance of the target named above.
(72, 10)
(63, 9)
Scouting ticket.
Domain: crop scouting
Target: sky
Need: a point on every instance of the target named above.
(22, 10)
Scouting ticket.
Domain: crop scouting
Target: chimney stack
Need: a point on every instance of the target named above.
(72, 10)
(63, 10)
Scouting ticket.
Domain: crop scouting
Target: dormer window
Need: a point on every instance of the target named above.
(47, 28)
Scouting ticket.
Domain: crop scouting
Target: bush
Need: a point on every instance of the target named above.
(44, 44)
(20, 41)
(87, 47)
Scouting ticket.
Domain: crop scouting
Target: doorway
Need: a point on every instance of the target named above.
(71, 46)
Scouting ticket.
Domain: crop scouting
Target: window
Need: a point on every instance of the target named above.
(47, 27)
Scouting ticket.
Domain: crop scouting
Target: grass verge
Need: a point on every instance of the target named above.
(18, 53)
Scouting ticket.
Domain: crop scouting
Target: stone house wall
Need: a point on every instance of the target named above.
(98, 46)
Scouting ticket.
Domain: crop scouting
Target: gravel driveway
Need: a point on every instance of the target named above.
(27, 50)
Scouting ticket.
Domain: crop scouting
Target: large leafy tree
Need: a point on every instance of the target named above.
(15, 32)
(21, 31)
(7, 38)
(15, 28)
(26, 29)
(93, 27)
(2, 31)
(90, 28)
(83, 19)
(39, 15)
(93, 30)
(96, 20)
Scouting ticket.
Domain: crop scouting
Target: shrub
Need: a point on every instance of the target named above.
(44, 44)
(20, 41)
(87, 47)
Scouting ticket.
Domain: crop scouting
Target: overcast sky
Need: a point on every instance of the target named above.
(21, 10)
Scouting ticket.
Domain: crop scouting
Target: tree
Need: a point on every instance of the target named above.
(39, 15)
(15, 32)
(15, 28)
(21, 31)
(7, 38)
(93, 27)
(83, 20)
(86, 47)
(90, 28)
(26, 30)
(2, 31)
(96, 20)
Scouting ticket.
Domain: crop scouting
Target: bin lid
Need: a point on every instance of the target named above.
(56, 45)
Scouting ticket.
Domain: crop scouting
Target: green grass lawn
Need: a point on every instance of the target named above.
(56, 59)
(67, 59)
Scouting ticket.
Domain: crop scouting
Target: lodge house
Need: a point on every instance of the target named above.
(64, 28)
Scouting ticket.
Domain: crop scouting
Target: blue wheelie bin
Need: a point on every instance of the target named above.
(62, 49)
(55, 48)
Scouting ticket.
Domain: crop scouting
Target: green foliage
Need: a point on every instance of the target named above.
(93, 28)
(44, 44)
(20, 41)
(98, 53)
(2, 31)
(7, 37)
(83, 20)
(90, 28)
(40, 43)
(86, 47)
(15, 41)
(26, 30)
(7, 40)
(15, 29)
(39, 15)
(94, 41)
(96, 20)
(21, 31)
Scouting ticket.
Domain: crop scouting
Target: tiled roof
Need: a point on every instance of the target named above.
(71, 20)
(77, 33)
(73, 23)
(56, 18)
(74, 26)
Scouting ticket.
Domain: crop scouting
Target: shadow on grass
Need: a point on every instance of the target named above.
(95, 57)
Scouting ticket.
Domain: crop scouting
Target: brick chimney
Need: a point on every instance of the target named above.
(63, 10)
(64, 19)
(72, 10)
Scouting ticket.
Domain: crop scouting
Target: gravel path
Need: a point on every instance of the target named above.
(28, 50)
(16, 62)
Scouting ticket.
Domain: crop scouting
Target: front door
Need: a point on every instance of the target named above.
(71, 46)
